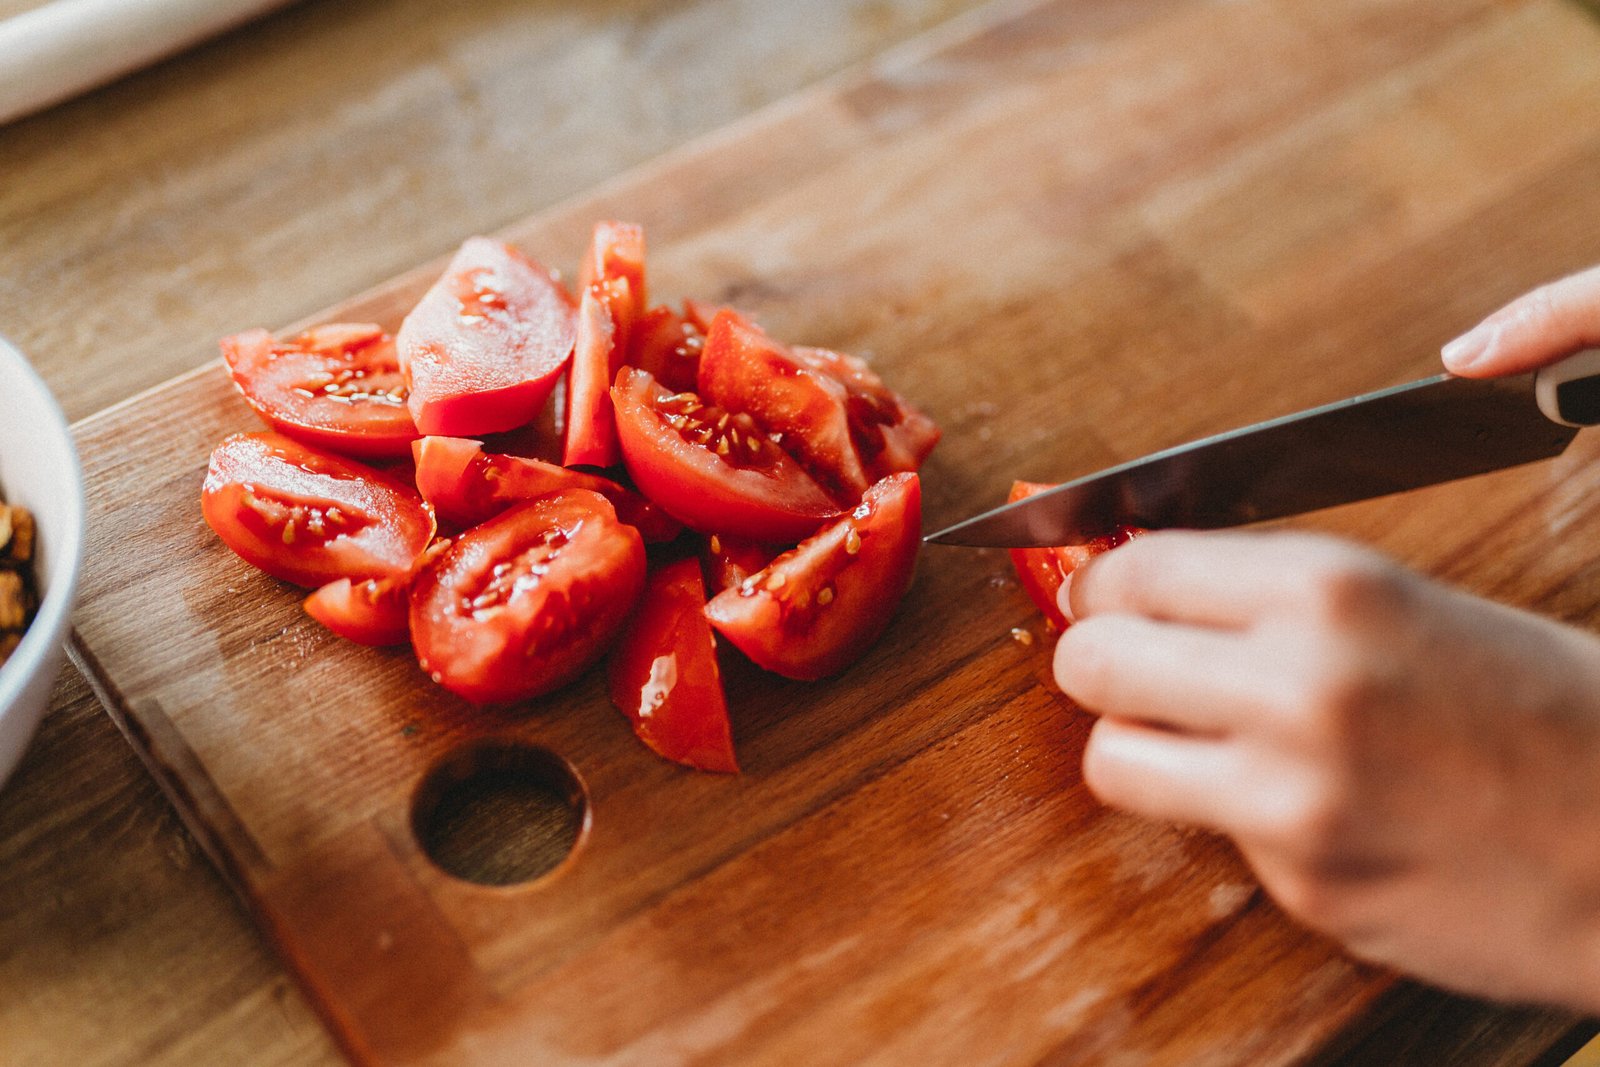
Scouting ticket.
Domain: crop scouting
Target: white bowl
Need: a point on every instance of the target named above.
(39, 471)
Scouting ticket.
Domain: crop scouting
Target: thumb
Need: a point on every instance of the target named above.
(1533, 331)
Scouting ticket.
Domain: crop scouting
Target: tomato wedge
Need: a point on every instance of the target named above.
(730, 560)
(337, 387)
(485, 345)
(525, 602)
(713, 471)
(1042, 570)
(467, 485)
(745, 370)
(310, 517)
(835, 416)
(667, 346)
(371, 612)
(663, 674)
(815, 609)
(601, 344)
(617, 251)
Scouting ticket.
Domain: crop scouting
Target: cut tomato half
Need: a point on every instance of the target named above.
(1042, 570)
(311, 517)
(525, 602)
(337, 387)
(889, 434)
(602, 338)
(663, 673)
(713, 471)
(485, 345)
(815, 609)
(467, 485)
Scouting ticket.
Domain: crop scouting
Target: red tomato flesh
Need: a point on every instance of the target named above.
(663, 673)
(713, 471)
(371, 612)
(889, 434)
(467, 485)
(485, 345)
(601, 344)
(667, 346)
(745, 370)
(730, 560)
(527, 601)
(337, 387)
(617, 251)
(1042, 570)
(815, 609)
(310, 517)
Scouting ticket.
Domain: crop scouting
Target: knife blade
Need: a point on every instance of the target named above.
(1421, 433)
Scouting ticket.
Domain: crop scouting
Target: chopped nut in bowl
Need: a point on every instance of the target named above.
(41, 548)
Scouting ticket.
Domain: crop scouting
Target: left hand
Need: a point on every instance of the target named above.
(1406, 767)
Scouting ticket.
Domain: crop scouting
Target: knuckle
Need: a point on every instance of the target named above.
(1350, 588)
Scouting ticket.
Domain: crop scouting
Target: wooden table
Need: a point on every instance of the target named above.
(253, 181)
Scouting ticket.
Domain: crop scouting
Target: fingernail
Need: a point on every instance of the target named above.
(1062, 596)
(1470, 348)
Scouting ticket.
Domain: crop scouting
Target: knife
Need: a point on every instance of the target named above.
(1424, 432)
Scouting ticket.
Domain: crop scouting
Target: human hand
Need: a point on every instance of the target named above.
(1533, 331)
(1408, 768)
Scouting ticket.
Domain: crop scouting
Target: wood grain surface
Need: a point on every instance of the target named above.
(250, 181)
(1074, 233)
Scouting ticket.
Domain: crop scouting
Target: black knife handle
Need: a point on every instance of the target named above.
(1569, 392)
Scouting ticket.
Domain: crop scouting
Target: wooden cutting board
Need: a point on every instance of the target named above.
(1073, 232)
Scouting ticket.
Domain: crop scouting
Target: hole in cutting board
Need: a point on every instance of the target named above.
(499, 814)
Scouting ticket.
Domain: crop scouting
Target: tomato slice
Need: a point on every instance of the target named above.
(604, 317)
(525, 602)
(467, 485)
(663, 673)
(337, 387)
(667, 346)
(617, 251)
(1042, 570)
(713, 471)
(835, 416)
(371, 612)
(485, 345)
(310, 517)
(889, 434)
(730, 560)
(819, 606)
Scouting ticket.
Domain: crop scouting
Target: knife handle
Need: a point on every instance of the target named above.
(1569, 391)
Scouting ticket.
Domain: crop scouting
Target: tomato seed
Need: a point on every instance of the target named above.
(825, 595)
(852, 541)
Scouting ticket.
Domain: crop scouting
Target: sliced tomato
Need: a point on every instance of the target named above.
(617, 251)
(889, 434)
(667, 346)
(467, 485)
(371, 612)
(602, 342)
(730, 560)
(485, 345)
(815, 609)
(337, 387)
(713, 471)
(310, 517)
(663, 673)
(745, 370)
(1042, 570)
(525, 602)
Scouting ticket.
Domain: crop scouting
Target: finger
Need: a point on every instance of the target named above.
(1163, 775)
(1203, 681)
(1226, 579)
(1534, 330)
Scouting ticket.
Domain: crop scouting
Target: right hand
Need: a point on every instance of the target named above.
(1535, 330)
